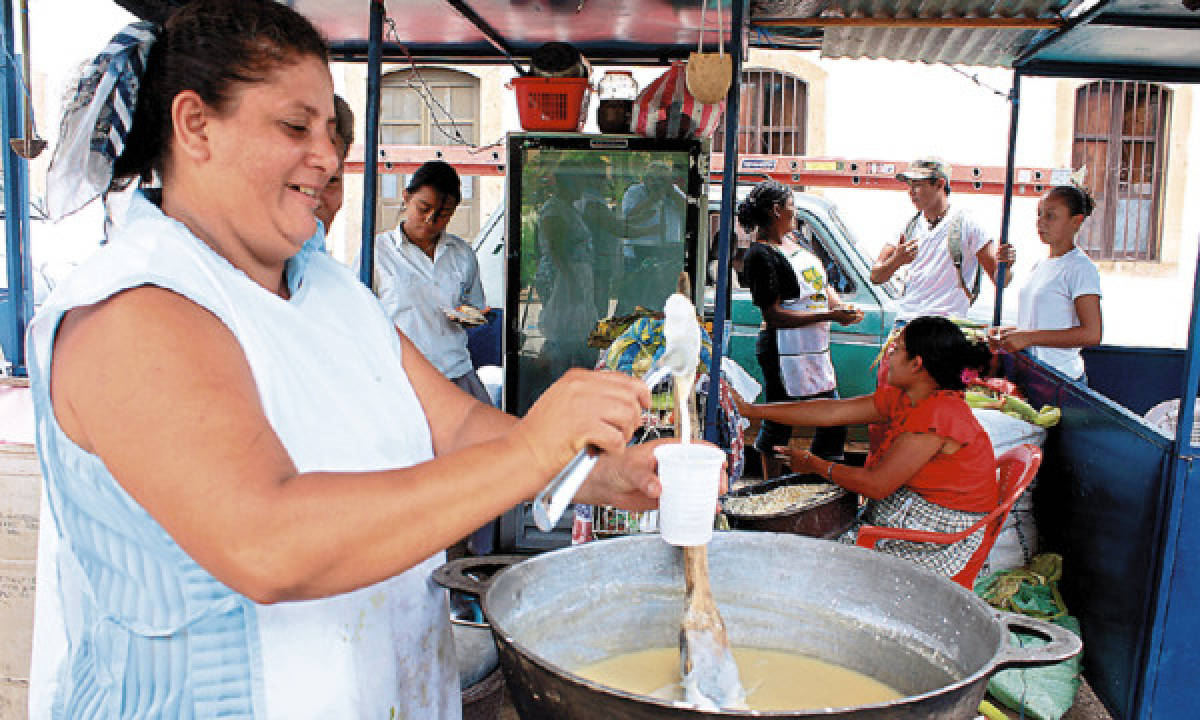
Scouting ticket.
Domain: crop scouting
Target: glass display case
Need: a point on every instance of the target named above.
(598, 226)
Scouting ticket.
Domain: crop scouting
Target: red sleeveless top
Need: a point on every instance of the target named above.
(964, 480)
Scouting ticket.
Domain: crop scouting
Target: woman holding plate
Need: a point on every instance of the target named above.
(428, 279)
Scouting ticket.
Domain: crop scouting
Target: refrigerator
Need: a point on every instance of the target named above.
(597, 226)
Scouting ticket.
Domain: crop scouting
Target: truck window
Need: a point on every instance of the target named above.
(742, 241)
(839, 279)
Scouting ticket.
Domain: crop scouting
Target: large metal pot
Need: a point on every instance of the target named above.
(920, 633)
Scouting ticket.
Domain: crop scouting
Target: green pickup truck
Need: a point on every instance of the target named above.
(854, 347)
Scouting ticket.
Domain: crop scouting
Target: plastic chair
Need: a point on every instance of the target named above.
(1017, 469)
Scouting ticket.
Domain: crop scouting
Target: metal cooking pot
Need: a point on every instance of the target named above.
(825, 519)
(473, 644)
(880, 615)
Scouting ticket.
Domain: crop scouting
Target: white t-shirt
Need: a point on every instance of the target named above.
(931, 287)
(416, 291)
(1047, 302)
(804, 360)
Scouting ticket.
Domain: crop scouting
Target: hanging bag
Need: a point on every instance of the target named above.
(665, 108)
(709, 76)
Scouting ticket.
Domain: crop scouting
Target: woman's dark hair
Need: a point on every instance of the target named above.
(440, 176)
(209, 46)
(1078, 199)
(344, 125)
(944, 351)
(755, 211)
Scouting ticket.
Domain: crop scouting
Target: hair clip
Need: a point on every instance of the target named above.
(1079, 177)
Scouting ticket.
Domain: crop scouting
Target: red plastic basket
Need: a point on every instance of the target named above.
(551, 103)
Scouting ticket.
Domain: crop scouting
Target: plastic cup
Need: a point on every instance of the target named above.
(690, 475)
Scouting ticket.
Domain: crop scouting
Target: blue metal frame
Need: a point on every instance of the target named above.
(1099, 502)
(16, 302)
(725, 232)
(1170, 689)
(366, 255)
(1014, 99)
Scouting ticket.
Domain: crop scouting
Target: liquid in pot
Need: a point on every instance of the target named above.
(775, 680)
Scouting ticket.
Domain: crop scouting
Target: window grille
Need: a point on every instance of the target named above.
(773, 114)
(1120, 134)
(412, 113)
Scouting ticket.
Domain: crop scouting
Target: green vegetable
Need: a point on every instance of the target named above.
(1018, 408)
(978, 399)
(1048, 416)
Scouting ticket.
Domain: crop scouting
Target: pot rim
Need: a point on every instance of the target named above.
(982, 673)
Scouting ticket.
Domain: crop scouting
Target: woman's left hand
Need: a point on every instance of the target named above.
(1006, 253)
(744, 408)
(629, 480)
(803, 461)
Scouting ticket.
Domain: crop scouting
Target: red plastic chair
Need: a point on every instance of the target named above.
(1017, 468)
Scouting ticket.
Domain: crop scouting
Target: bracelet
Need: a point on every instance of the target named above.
(829, 472)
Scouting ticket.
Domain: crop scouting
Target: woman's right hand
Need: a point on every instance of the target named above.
(846, 315)
(584, 407)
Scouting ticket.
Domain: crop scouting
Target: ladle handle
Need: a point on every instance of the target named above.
(550, 503)
(1061, 643)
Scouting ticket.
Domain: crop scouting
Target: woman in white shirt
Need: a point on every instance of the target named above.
(1059, 310)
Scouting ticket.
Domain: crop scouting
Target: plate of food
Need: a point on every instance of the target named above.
(467, 315)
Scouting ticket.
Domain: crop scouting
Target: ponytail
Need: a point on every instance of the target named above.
(945, 351)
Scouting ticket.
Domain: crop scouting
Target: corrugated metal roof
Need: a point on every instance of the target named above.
(987, 46)
(955, 46)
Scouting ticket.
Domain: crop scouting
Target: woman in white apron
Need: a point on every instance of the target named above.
(250, 474)
(787, 282)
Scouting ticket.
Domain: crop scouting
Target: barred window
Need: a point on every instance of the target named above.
(1120, 134)
(413, 112)
(773, 114)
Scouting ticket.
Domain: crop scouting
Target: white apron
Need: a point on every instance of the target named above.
(326, 365)
(804, 360)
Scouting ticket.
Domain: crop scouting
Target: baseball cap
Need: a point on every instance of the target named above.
(925, 168)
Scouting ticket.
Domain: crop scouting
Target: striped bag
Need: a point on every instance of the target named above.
(665, 108)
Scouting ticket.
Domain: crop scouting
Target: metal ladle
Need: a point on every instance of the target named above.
(550, 503)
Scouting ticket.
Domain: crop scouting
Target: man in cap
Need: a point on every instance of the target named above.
(944, 247)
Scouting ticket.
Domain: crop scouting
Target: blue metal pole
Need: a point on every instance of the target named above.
(16, 305)
(728, 195)
(1183, 456)
(366, 271)
(1014, 97)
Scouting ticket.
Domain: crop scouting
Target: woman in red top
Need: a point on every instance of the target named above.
(935, 468)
